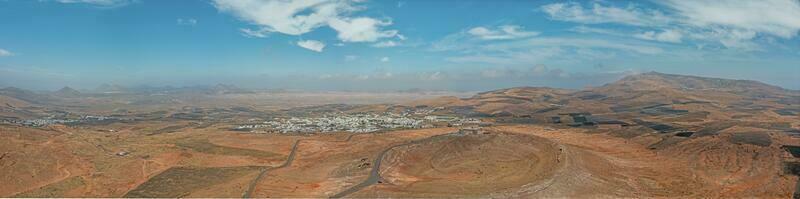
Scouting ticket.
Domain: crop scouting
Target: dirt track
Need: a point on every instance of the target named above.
(568, 163)
(288, 162)
(374, 175)
(509, 162)
(464, 165)
(264, 171)
(597, 165)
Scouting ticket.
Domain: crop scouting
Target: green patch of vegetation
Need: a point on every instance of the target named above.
(182, 181)
(55, 189)
(203, 146)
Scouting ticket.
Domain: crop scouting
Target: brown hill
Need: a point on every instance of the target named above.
(23, 95)
(511, 101)
(10, 102)
(67, 92)
(627, 94)
(668, 87)
(657, 81)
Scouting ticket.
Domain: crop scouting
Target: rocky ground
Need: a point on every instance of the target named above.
(506, 161)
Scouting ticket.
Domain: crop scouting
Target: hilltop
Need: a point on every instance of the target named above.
(67, 92)
(650, 88)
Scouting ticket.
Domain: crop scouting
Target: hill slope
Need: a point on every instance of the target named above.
(635, 91)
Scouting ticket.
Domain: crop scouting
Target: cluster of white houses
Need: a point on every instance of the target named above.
(38, 122)
(51, 121)
(356, 123)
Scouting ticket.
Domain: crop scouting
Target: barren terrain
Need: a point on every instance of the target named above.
(651, 135)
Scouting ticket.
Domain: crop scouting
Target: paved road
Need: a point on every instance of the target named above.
(287, 163)
(375, 175)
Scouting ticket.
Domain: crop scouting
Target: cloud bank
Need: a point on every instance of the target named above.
(733, 24)
(301, 17)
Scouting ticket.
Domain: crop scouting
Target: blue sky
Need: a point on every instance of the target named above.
(390, 45)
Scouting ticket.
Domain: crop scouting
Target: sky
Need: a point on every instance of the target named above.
(392, 45)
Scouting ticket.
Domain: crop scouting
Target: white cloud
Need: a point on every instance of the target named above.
(385, 44)
(261, 33)
(361, 29)
(672, 36)
(5, 53)
(575, 12)
(106, 3)
(468, 39)
(283, 16)
(350, 58)
(587, 29)
(384, 59)
(302, 16)
(503, 32)
(575, 43)
(730, 38)
(187, 21)
(551, 49)
(731, 23)
(668, 35)
(775, 17)
(313, 45)
(472, 49)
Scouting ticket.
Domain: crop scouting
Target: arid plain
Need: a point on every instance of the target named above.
(646, 135)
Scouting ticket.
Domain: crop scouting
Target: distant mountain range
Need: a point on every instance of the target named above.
(215, 89)
(629, 93)
(14, 95)
(641, 89)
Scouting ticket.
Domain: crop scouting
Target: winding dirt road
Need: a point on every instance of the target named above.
(374, 175)
(288, 162)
